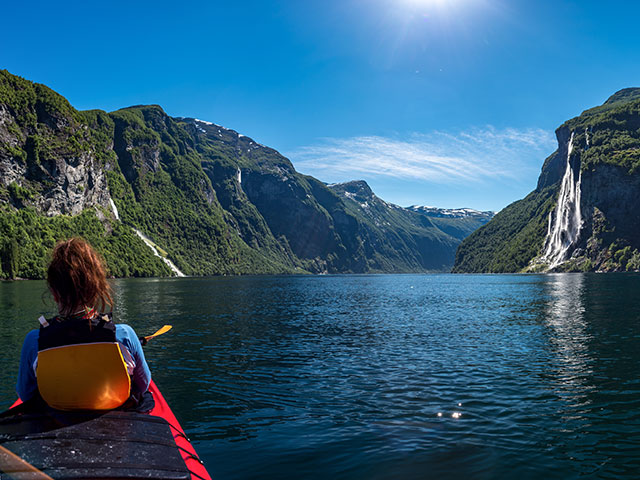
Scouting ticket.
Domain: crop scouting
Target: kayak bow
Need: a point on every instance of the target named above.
(98, 445)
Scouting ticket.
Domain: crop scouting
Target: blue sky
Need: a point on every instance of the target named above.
(448, 103)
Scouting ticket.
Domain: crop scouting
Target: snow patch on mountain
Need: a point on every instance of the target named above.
(450, 212)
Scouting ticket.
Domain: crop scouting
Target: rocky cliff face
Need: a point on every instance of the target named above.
(142, 185)
(554, 166)
(611, 219)
(39, 135)
(583, 215)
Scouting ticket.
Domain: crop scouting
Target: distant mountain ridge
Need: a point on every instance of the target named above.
(451, 212)
(161, 195)
(583, 214)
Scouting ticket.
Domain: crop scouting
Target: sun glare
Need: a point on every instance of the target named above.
(433, 5)
(430, 3)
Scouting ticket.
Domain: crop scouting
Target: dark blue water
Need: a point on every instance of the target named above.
(390, 376)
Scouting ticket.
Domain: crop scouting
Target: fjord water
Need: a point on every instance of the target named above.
(387, 376)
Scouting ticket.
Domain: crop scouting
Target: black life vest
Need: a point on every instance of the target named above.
(60, 331)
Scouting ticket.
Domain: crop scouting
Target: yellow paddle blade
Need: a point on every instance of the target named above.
(164, 329)
(17, 468)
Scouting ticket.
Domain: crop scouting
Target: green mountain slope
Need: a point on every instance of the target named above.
(583, 214)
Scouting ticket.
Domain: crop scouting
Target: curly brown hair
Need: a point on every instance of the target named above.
(77, 277)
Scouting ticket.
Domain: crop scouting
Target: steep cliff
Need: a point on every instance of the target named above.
(583, 215)
(159, 195)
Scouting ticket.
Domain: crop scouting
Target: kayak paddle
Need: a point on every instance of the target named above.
(145, 340)
(19, 469)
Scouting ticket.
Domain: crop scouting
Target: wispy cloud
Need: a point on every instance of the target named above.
(466, 157)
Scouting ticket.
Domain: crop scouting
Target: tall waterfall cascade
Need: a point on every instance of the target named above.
(565, 221)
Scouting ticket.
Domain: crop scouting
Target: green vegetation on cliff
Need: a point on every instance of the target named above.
(160, 186)
(612, 132)
(26, 240)
(511, 239)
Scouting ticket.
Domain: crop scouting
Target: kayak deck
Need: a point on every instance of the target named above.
(81, 445)
(104, 445)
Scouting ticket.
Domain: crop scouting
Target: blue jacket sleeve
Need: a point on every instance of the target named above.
(27, 384)
(141, 374)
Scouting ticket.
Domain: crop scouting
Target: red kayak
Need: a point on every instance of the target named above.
(101, 445)
(191, 459)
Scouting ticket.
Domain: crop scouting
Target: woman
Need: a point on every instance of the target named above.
(77, 280)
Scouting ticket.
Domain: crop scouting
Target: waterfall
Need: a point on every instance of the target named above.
(586, 135)
(152, 246)
(564, 226)
(114, 209)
